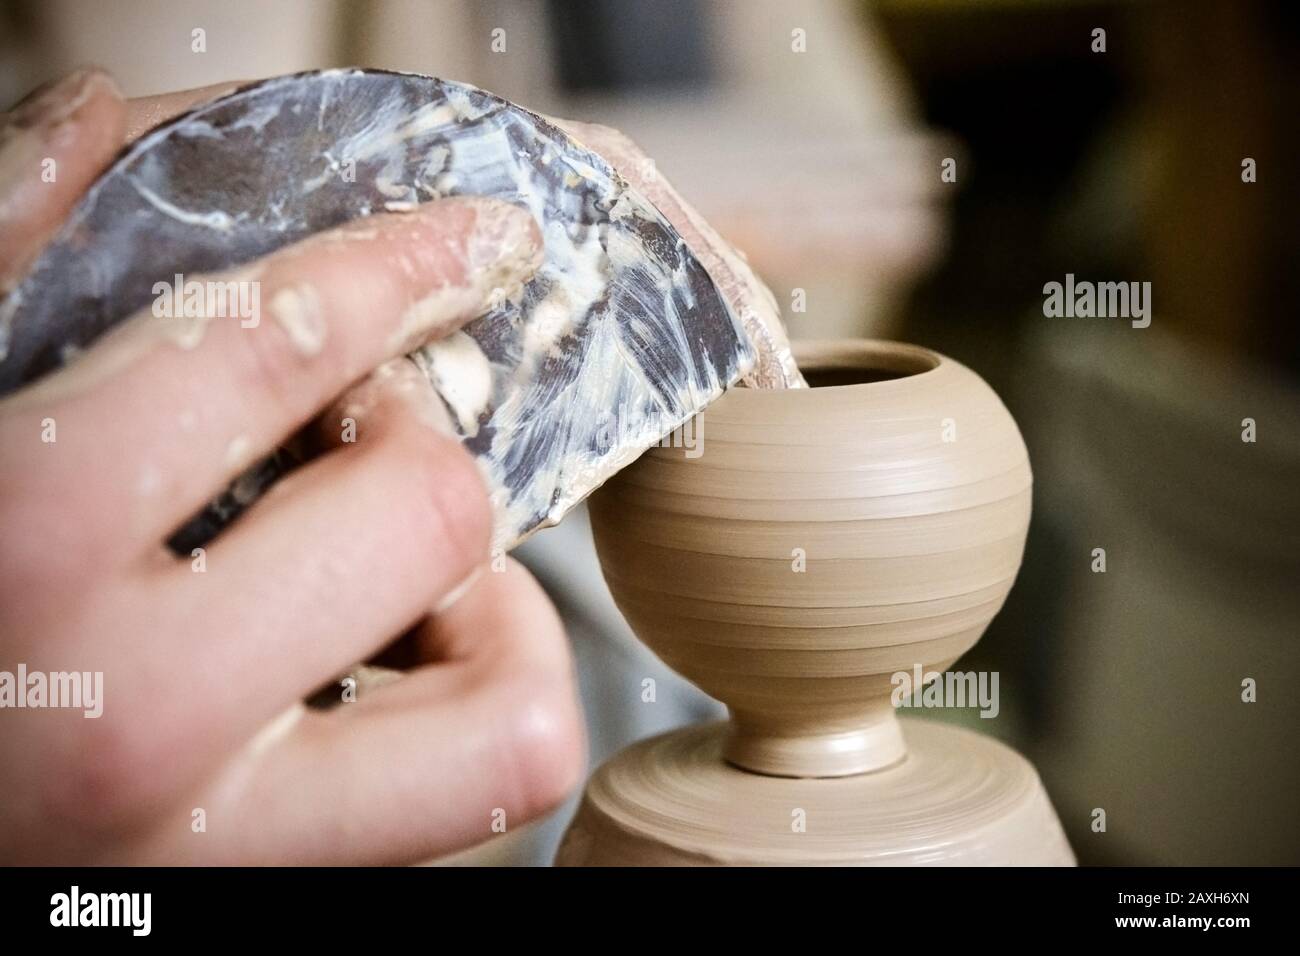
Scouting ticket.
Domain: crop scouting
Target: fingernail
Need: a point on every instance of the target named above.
(56, 102)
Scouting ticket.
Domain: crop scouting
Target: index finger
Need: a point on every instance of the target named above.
(165, 411)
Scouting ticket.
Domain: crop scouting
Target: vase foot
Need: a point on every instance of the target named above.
(871, 747)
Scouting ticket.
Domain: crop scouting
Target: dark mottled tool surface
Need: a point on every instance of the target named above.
(619, 338)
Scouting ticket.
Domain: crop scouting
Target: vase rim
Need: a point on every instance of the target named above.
(900, 361)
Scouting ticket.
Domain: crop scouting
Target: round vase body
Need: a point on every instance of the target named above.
(811, 544)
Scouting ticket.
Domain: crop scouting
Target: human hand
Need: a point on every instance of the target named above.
(206, 659)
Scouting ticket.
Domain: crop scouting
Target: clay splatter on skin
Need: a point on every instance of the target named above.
(148, 482)
(237, 451)
(186, 331)
(297, 310)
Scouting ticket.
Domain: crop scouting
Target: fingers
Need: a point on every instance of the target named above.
(52, 146)
(440, 760)
(145, 112)
(336, 561)
(201, 399)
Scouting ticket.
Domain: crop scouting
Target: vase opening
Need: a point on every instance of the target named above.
(835, 364)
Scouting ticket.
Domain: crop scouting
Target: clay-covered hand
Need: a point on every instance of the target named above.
(197, 747)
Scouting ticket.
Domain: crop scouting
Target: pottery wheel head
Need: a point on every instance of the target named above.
(960, 799)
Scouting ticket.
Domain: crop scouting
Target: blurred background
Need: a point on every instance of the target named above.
(815, 135)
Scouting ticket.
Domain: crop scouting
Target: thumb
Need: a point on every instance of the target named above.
(52, 146)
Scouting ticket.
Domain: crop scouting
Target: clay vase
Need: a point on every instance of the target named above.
(812, 544)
